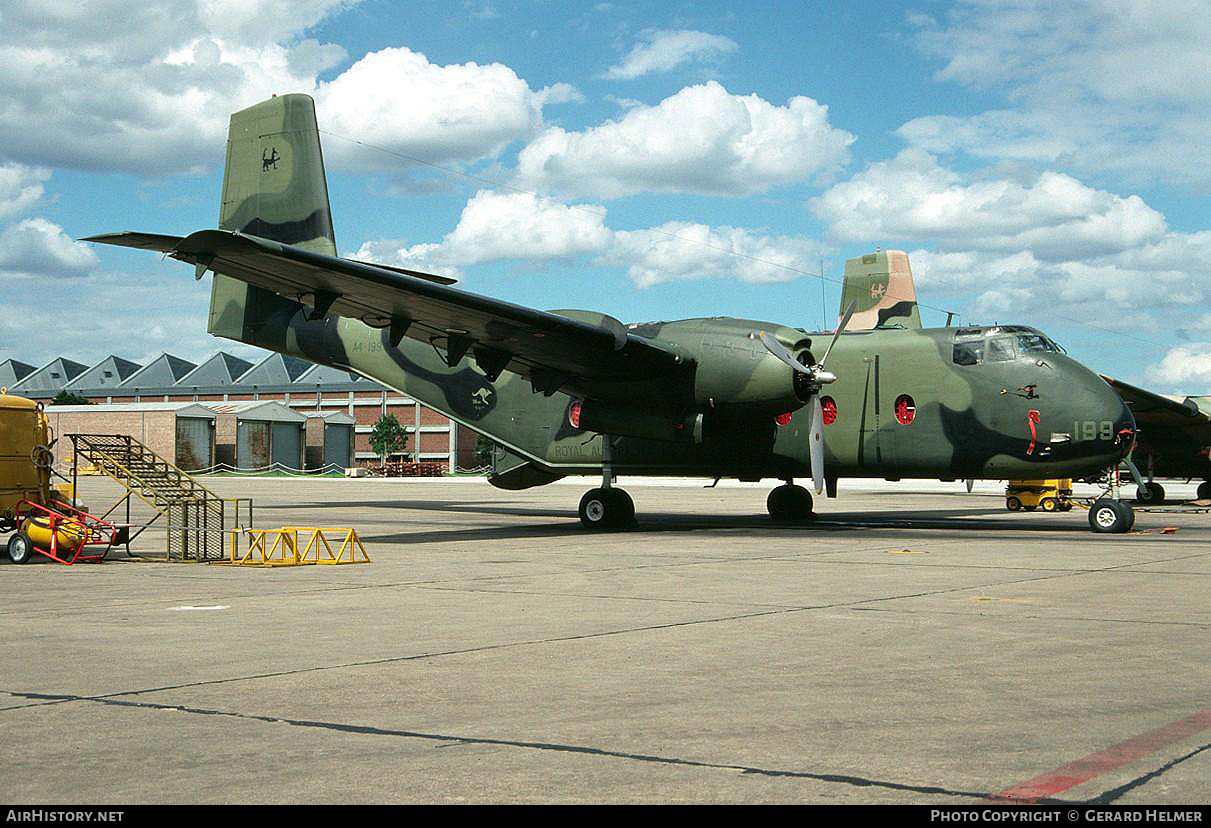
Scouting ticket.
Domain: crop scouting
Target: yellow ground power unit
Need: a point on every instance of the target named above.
(1048, 495)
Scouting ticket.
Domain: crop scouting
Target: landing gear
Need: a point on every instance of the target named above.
(606, 508)
(1149, 492)
(790, 503)
(1111, 516)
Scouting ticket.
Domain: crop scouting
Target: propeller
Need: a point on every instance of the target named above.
(816, 376)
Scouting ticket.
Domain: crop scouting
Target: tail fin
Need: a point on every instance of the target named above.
(881, 284)
(274, 185)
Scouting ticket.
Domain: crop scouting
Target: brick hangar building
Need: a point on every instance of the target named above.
(225, 384)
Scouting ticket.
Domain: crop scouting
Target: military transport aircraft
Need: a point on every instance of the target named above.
(570, 392)
(1173, 439)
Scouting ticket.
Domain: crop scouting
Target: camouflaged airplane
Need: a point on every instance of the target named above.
(574, 392)
(1172, 440)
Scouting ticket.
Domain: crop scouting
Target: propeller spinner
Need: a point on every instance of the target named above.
(816, 377)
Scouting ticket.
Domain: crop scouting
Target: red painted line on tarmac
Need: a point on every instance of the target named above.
(1095, 764)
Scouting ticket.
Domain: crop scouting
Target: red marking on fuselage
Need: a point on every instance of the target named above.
(1032, 417)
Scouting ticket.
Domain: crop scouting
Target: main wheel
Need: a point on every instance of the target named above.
(1111, 516)
(626, 507)
(604, 508)
(20, 549)
(1150, 493)
(790, 503)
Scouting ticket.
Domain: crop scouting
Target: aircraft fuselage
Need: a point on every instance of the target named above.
(903, 406)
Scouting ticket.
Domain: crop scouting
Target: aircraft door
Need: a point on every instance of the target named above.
(870, 452)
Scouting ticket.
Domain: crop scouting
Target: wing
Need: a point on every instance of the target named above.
(1177, 433)
(1155, 413)
(581, 352)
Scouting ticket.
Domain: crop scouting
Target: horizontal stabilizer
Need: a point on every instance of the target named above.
(140, 241)
(170, 244)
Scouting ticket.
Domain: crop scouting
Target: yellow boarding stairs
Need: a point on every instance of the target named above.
(195, 515)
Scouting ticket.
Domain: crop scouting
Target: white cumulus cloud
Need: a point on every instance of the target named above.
(700, 140)
(148, 87)
(20, 188)
(498, 226)
(1186, 366)
(38, 248)
(1095, 85)
(397, 100)
(525, 227)
(661, 51)
(685, 251)
(1051, 214)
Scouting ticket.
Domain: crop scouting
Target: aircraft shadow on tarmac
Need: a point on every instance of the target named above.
(939, 522)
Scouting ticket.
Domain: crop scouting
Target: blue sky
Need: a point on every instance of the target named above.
(1041, 163)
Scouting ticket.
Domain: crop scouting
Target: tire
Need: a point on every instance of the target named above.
(626, 508)
(1111, 517)
(20, 548)
(603, 508)
(1204, 490)
(1150, 493)
(1049, 504)
(1013, 504)
(790, 503)
(596, 509)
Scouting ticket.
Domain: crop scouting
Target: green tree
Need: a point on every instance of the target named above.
(388, 437)
(68, 398)
(483, 450)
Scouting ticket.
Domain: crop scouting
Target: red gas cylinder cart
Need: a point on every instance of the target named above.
(63, 533)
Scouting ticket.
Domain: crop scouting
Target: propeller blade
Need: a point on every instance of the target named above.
(970, 484)
(849, 311)
(779, 350)
(816, 439)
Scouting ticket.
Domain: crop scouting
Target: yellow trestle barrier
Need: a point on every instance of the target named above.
(296, 546)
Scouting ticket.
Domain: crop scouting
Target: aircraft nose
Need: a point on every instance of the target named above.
(1115, 429)
(1103, 426)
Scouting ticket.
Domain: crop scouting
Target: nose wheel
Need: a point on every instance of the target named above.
(790, 503)
(1108, 516)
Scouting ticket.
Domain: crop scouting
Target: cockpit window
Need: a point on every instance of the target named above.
(1031, 342)
(1000, 349)
(1002, 343)
(969, 353)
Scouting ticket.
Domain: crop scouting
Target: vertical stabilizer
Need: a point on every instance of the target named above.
(274, 185)
(881, 285)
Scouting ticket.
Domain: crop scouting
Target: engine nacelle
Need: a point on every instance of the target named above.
(736, 373)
